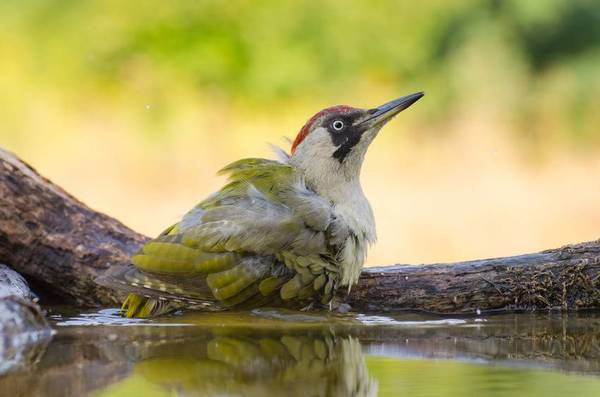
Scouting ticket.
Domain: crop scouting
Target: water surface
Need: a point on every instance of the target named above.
(274, 352)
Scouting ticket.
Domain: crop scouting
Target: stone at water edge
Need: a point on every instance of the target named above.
(23, 328)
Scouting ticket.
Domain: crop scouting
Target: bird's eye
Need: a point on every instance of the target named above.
(338, 125)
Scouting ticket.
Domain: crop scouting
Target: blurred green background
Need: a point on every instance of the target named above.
(133, 106)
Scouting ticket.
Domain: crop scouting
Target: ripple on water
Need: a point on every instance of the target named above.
(385, 320)
(112, 317)
(108, 317)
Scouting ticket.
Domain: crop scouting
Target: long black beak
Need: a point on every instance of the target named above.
(388, 110)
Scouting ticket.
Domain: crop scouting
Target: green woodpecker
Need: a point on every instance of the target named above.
(279, 233)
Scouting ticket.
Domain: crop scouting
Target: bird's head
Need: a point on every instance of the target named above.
(331, 146)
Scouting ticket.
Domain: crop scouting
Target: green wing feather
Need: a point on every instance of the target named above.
(228, 250)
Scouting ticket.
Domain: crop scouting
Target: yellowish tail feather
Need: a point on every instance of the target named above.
(140, 306)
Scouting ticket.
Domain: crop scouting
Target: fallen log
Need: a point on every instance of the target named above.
(61, 246)
(566, 278)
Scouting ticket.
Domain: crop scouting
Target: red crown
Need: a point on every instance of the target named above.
(308, 126)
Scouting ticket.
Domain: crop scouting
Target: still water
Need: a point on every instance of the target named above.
(279, 353)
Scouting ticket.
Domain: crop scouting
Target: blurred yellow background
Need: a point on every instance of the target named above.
(132, 106)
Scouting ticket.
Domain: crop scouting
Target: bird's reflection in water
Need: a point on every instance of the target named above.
(291, 365)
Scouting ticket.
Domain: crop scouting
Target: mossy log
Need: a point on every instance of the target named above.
(61, 246)
(566, 278)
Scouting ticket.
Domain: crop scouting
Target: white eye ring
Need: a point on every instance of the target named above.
(338, 125)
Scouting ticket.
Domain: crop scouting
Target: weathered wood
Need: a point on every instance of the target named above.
(567, 278)
(61, 245)
(55, 241)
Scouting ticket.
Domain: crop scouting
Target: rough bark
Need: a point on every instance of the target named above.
(566, 278)
(61, 245)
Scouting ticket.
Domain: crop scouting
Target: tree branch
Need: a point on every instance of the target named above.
(60, 245)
